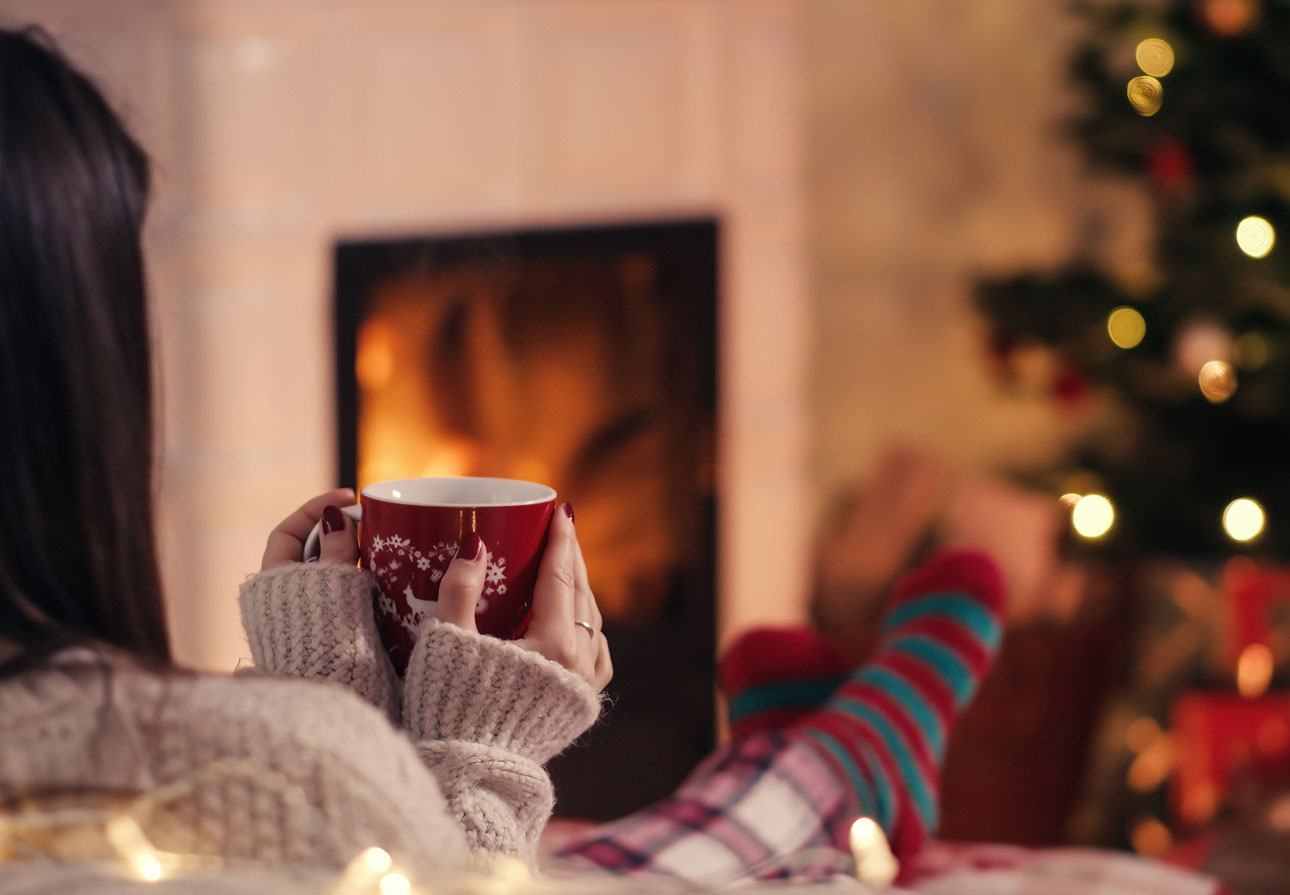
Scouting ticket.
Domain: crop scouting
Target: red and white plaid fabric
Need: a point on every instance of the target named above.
(769, 807)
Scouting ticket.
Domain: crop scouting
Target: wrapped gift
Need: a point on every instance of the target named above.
(1222, 740)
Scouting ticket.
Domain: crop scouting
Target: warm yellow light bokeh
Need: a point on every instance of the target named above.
(395, 884)
(1255, 236)
(1150, 837)
(1217, 381)
(1141, 733)
(1243, 520)
(1254, 670)
(1155, 56)
(378, 859)
(1093, 516)
(1146, 95)
(1126, 327)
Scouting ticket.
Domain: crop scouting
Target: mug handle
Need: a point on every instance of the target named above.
(312, 544)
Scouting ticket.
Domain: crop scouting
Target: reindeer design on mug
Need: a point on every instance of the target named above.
(402, 568)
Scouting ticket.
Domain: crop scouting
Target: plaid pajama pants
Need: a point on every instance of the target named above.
(767, 806)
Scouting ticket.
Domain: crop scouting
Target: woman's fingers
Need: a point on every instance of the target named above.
(286, 542)
(604, 668)
(564, 608)
(463, 584)
(584, 600)
(337, 539)
(554, 593)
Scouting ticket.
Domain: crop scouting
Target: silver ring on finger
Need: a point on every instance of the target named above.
(585, 626)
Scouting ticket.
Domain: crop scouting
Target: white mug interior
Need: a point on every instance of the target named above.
(460, 491)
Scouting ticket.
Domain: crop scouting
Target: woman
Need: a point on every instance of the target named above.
(437, 767)
(91, 705)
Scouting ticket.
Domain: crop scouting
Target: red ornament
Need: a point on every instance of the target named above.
(1071, 388)
(1169, 165)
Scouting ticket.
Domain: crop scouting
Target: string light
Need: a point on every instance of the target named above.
(1243, 520)
(876, 866)
(1146, 95)
(1126, 327)
(378, 859)
(125, 835)
(1093, 516)
(1155, 56)
(395, 884)
(1255, 236)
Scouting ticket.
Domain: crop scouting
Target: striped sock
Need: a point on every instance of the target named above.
(884, 728)
(773, 677)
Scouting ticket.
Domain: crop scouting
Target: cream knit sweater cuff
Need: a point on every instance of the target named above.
(461, 685)
(315, 620)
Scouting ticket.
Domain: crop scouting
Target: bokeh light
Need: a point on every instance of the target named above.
(378, 859)
(1155, 56)
(1150, 837)
(1217, 381)
(1141, 733)
(1093, 516)
(1255, 236)
(1126, 327)
(1146, 95)
(1243, 520)
(395, 884)
(1254, 670)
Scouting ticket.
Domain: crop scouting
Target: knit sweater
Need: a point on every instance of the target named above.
(271, 766)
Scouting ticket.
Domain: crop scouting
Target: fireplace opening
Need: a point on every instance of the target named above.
(583, 358)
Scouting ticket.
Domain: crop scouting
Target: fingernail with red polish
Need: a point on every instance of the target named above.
(568, 510)
(332, 520)
(473, 546)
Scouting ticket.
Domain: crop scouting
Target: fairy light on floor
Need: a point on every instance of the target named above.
(1243, 520)
(377, 859)
(1255, 236)
(1093, 516)
(125, 835)
(1126, 327)
(875, 864)
(394, 883)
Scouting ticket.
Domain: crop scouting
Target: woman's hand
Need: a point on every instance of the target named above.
(337, 539)
(562, 598)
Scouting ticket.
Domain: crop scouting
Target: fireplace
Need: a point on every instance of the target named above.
(585, 358)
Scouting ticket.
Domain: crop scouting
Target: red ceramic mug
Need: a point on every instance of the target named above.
(411, 529)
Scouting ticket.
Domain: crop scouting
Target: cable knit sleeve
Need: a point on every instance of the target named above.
(486, 715)
(315, 620)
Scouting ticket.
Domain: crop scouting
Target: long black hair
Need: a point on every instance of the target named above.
(78, 558)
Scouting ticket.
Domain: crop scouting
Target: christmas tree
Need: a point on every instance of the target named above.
(1192, 99)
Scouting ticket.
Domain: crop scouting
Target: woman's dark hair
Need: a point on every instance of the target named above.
(77, 551)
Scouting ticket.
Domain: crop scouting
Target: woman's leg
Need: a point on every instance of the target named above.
(780, 803)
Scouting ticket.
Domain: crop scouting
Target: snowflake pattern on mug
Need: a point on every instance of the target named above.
(396, 564)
